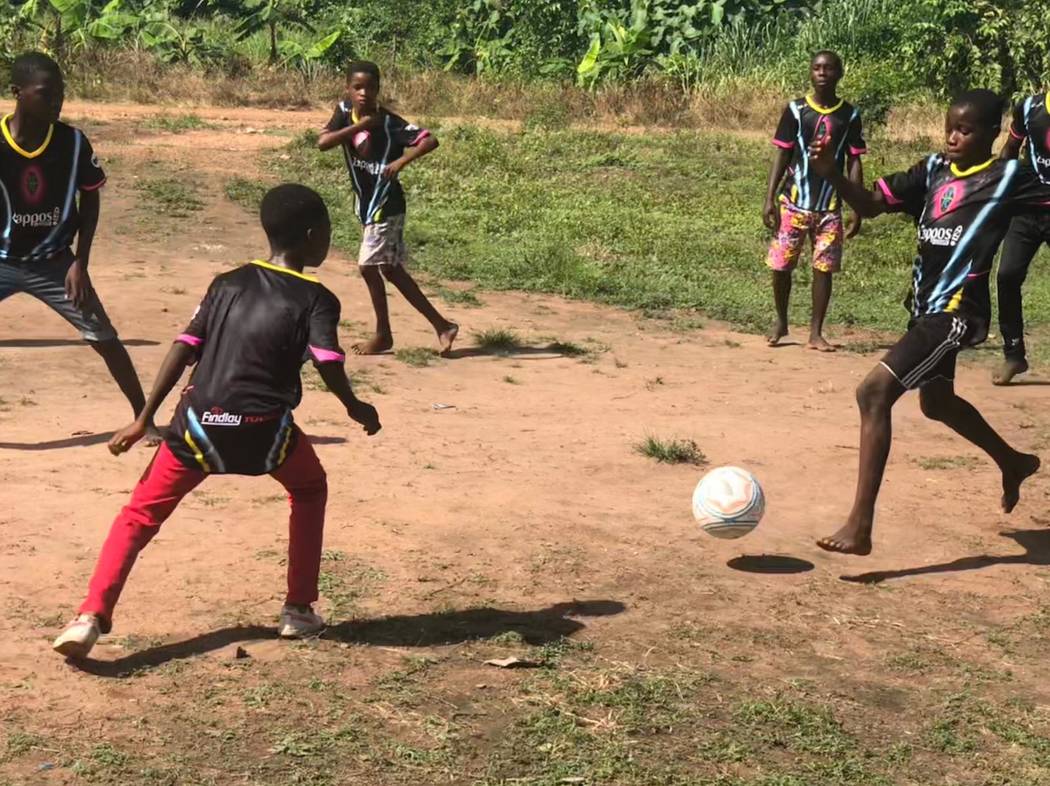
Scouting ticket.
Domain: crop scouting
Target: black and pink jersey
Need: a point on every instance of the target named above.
(39, 190)
(1031, 122)
(804, 121)
(252, 333)
(378, 198)
(962, 217)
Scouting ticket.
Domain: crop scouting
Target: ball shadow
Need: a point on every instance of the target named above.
(770, 564)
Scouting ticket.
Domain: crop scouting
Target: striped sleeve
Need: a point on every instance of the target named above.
(324, 329)
(90, 175)
(855, 136)
(196, 331)
(905, 192)
(787, 130)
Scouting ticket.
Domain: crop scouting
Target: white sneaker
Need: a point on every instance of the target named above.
(298, 622)
(79, 637)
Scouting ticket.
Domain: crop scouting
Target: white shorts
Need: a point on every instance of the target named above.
(383, 243)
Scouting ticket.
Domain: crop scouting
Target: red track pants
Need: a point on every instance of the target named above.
(160, 489)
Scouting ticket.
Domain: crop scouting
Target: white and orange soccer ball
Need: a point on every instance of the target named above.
(728, 502)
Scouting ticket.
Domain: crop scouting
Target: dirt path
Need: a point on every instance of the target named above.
(525, 494)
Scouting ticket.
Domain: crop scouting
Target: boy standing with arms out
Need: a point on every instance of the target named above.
(807, 205)
(377, 145)
(249, 337)
(962, 202)
(1030, 128)
(44, 165)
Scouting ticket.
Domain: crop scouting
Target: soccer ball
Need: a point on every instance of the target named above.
(728, 502)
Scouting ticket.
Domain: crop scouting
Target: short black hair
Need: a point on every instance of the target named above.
(363, 67)
(988, 105)
(827, 53)
(288, 211)
(29, 64)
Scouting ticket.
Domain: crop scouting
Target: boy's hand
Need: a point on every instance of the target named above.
(393, 169)
(366, 415)
(853, 226)
(126, 437)
(771, 216)
(78, 284)
(822, 158)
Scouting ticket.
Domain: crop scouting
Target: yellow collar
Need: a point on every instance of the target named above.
(17, 148)
(823, 110)
(972, 170)
(279, 269)
(1047, 100)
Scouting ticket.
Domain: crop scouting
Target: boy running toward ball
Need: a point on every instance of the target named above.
(962, 201)
(50, 180)
(248, 338)
(377, 145)
(807, 205)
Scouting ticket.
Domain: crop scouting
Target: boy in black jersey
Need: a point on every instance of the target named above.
(962, 202)
(249, 337)
(807, 205)
(1030, 130)
(44, 166)
(377, 145)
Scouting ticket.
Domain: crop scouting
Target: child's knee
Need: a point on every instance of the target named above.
(314, 490)
(871, 396)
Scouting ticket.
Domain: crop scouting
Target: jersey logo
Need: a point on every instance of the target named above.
(217, 417)
(823, 128)
(948, 198)
(94, 161)
(33, 186)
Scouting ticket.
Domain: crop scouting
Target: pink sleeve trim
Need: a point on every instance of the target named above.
(326, 355)
(423, 134)
(885, 189)
(94, 187)
(192, 341)
(782, 144)
(1014, 134)
(858, 151)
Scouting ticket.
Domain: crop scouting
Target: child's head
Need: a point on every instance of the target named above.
(825, 70)
(296, 223)
(38, 86)
(362, 85)
(974, 121)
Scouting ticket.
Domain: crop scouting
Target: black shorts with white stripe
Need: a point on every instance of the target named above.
(927, 352)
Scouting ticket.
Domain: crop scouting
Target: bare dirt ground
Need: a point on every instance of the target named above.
(519, 521)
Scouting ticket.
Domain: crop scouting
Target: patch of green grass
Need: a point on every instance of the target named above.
(671, 451)
(570, 349)
(245, 192)
(419, 357)
(498, 341)
(177, 124)
(948, 462)
(172, 196)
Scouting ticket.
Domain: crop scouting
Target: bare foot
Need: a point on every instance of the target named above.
(446, 337)
(376, 345)
(820, 344)
(1009, 370)
(851, 539)
(778, 332)
(153, 436)
(1024, 467)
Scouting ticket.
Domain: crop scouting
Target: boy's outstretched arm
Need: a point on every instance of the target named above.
(855, 174)
(334, 376)
(867, 204)
(427, 145)
(770, 211)
(179, 356)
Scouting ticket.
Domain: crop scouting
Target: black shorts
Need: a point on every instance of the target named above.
(927, 352)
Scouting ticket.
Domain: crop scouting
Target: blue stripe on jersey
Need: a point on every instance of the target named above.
(826, 192)
(10, 221)
(197, 430)
(278, 441)
(948, 287)
(383, 184)
(47, 247)
(350, 163)
(802, 170)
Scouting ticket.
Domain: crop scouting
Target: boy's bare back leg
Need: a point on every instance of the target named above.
(876, 396)
(940, 402)
(821, 299)
(118, 361)
(781, 298)
(383, 340)
(407, 286)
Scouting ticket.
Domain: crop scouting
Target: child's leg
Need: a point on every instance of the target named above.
(407, 286)
(827, 235)
(304, 478)
(160, 489)
(383, 339)
(876, 396)
(784, 253)
(1021, 244)
(940, 402)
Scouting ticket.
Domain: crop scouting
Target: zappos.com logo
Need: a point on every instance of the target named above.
(49, 219)
(940, 236)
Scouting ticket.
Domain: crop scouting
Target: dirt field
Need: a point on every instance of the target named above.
(519, 521)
